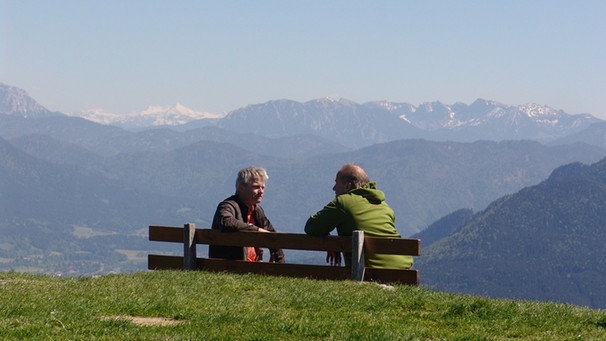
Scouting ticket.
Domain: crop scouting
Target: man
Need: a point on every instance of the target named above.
(242, 212)
(358, 205)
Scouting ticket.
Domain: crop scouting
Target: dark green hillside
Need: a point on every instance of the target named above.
(545, 242)
(444, 227)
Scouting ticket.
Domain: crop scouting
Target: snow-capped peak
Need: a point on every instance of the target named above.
(150, 116)
(536, 110)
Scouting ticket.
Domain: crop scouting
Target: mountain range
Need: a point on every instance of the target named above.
(346, 122)
(76, 196)
(359, 125)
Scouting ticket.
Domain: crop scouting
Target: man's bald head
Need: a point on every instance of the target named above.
(353, 174)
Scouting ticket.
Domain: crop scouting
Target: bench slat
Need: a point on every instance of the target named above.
(394, 246)
(164, 262)
(275, 269)
(409, 276)
(278, 240)
(292, 241)
(169, 234)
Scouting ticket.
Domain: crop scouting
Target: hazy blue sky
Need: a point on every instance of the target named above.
(218, 56)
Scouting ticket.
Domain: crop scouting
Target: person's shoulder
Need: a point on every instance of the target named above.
(344, 199)
(231, 201)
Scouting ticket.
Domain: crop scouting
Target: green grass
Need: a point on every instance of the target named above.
(206, 306)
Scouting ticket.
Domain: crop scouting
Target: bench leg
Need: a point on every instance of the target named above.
(357, 256)
(189, 247)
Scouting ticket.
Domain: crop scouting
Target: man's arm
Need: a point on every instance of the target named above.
(325, 220)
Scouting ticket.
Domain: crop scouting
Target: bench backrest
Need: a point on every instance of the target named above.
(357, 245)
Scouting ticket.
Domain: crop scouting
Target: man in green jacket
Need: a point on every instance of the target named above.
(358, 205)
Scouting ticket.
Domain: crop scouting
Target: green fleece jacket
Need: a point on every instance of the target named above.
(363, 209)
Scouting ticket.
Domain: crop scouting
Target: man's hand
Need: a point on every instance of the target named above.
(333, 258)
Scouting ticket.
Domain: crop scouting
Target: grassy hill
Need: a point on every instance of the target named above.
(176, 305)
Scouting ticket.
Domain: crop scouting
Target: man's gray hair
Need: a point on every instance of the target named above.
(249, 174)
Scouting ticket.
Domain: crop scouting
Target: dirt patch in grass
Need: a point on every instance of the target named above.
(144, 321)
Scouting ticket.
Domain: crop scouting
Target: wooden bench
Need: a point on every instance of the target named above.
(357, 245)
